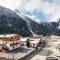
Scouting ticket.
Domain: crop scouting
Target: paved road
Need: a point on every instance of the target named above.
(42, 54)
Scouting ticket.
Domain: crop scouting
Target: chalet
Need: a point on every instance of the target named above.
(10, 41)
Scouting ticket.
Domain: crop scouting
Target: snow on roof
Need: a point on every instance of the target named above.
(34, 42)
(23, 39)
(8, 35)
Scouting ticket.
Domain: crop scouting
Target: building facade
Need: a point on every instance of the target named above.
(10, 41)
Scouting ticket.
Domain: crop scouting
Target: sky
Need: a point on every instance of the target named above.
(39, 10)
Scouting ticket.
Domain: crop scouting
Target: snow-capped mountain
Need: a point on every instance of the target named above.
(11, 22)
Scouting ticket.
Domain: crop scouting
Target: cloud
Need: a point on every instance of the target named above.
(11, 4)
(54, 12)
(50, 8)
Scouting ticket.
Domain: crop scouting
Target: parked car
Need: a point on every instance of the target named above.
(52, 58)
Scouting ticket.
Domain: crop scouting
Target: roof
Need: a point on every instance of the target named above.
(10, 37)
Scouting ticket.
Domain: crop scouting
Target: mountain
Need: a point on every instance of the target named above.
(34, 26)
(45, 28)
(53, 28)
(11, 22)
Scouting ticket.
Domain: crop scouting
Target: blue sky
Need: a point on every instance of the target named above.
(44, 10)
(39, 15)
(41, 10)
